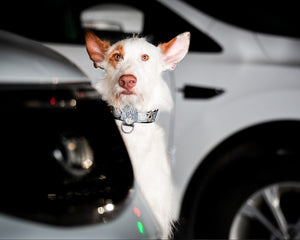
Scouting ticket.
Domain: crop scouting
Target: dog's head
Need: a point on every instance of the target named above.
(133, 69)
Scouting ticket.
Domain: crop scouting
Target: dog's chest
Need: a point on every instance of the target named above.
(145, 145)
(148, 153)
(141, 137)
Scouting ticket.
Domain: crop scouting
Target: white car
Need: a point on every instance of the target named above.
(62, 176)
(233, 133)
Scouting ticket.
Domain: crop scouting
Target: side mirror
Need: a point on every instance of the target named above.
(113, 18)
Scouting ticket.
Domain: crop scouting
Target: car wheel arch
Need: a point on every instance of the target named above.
(211, 165)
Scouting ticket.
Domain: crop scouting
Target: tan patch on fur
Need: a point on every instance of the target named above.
(116, 55)
(166, 46)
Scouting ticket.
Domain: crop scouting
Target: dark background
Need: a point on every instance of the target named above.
(58, 20)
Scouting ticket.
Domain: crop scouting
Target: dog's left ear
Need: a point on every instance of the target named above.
(175, 50)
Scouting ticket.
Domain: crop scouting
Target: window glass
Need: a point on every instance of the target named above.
(277, 17)
(59, 21)
(161, 24)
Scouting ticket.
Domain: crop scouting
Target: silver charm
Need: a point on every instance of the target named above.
(129, 116)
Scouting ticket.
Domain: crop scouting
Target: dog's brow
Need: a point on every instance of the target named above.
(119, 49)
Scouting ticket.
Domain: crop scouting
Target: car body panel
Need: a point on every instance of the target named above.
(78, 55)
(27, 61)
(280, 49)
(253, 94)
(126, 225)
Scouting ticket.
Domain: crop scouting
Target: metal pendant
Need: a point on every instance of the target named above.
(129, 116)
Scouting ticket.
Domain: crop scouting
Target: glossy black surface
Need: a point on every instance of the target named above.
(198, 92)
(62, 159)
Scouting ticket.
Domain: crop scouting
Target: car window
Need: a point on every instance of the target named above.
(161, 24)
(277, 18)
(59, 21)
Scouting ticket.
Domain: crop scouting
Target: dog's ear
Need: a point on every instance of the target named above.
(175, 50)
(96, 48)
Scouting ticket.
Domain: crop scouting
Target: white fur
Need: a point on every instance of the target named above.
(151, 91)
(152, 170)
(146, 144)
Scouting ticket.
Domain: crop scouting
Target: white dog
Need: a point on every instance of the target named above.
(133, 86)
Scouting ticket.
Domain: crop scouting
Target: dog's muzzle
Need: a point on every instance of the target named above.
(129, 116)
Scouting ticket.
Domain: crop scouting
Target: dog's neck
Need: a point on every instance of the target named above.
(129, 116)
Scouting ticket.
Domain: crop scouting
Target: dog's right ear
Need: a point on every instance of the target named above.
(96, 48)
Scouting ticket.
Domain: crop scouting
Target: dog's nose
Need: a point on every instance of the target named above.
(127, 81)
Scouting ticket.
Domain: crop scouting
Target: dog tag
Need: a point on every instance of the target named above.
(128, 120)
(129, 116)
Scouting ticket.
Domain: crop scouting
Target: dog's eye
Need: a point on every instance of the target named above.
(117, 57)
(145, 57)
